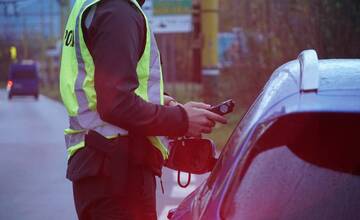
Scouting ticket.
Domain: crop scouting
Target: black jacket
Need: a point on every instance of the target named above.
(116, 40)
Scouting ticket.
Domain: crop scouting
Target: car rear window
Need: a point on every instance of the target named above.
(304, 167)
(23, 72)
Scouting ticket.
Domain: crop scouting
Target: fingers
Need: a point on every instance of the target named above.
(206, 130)
(211, 123)
(215, 117)
(199, 131)
(200, 105)
(212, 116)
(206, 127)
(206, 122)
(201, 120)
(170, 101)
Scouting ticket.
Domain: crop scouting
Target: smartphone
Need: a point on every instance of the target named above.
(223, 108)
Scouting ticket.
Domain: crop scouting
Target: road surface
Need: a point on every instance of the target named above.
(33, 164)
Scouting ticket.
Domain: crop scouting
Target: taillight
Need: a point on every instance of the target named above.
(9, 84)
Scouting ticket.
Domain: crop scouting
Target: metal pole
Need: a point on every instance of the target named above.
(24, 39)
(210, 69)
(51, 20)
(196, 36)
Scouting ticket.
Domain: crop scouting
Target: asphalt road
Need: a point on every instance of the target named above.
(33, 164)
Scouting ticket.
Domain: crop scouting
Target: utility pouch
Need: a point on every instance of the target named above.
(100, 157)
(116, 158)
(86, 162)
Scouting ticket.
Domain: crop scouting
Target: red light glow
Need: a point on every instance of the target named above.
(9, 84)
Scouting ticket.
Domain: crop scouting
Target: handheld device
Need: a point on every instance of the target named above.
(223, 108)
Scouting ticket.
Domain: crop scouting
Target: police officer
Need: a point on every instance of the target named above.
(112, 87)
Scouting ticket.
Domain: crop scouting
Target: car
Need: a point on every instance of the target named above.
(296, 152)
(23, 79)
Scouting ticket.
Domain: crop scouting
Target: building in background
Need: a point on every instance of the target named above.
(34, 28)
(29, 17)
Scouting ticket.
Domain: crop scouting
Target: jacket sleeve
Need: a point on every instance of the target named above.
(116, 40)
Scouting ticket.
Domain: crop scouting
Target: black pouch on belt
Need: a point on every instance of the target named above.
(101, 157)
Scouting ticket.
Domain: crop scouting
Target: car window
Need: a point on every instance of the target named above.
(23, 73)
(233, 144)
(279, 185)
(304, 167)
(273, 90)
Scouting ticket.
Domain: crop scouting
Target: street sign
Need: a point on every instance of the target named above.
(172, 7)
(169, 16)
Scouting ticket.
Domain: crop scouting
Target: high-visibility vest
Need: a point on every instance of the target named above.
(77, 82)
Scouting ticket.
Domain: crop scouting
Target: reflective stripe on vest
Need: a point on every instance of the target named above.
(77, 83)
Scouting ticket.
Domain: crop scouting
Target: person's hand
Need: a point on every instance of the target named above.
(169, 101)
(201, 120)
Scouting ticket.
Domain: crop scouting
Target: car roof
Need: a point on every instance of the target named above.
(337, 89)
(21, 67)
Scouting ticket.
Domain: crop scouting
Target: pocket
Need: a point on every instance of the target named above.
(100, 157)
(86, 162)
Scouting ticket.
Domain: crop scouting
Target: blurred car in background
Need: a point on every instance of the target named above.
(296, 152)
(23, 79)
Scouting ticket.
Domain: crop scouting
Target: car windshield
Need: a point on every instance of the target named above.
(23, 73)
(305, 166)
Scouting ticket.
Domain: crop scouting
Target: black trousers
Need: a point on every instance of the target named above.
(96, 198)
(110, 183)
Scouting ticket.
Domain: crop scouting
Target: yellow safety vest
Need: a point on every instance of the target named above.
(77, 82)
